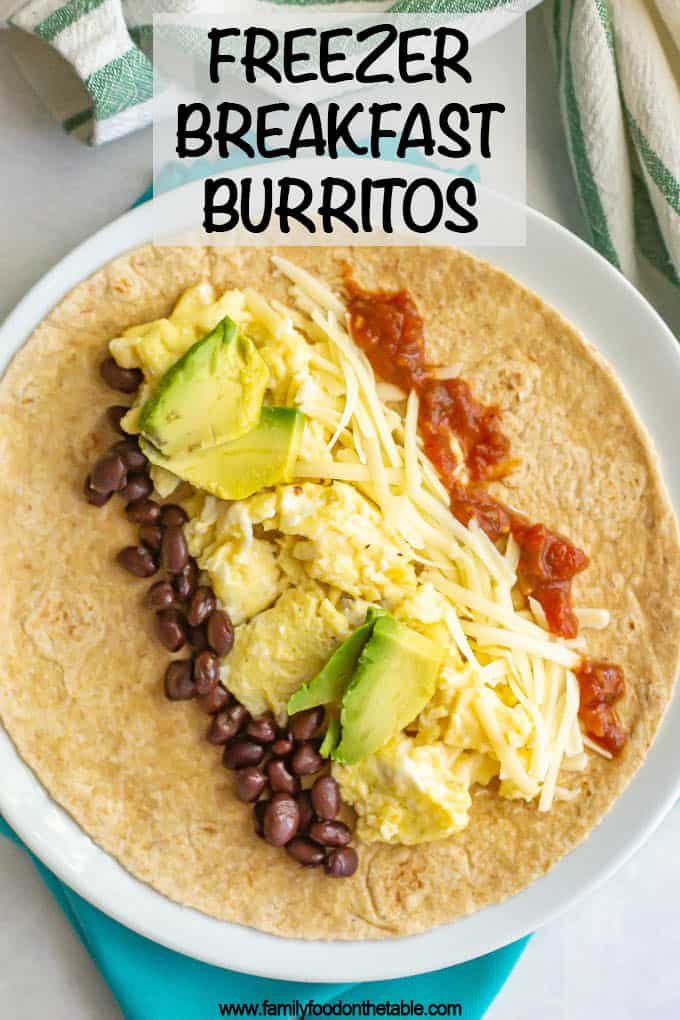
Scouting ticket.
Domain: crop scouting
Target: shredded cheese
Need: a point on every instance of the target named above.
(592, 619)
(389, 393)
(538, 613)
(411, 465)
(364, 432)
(593, 746)
(337, 470)
(568, 706)
(512, 766)
(512, 553)
(445, 372)
(366, 381)
(309, 285)
(350, 404)
(486, 607)
(549, 650)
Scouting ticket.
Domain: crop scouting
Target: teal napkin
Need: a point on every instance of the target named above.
(137, 971)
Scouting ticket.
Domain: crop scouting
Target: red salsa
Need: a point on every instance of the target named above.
(389, 328)
(601, 684)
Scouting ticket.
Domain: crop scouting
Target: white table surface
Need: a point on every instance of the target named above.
(615, 955)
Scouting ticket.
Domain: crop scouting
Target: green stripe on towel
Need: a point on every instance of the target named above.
(50, 27)
(668, 185)
(588, 189)
(448, 6)
(648, 237)
(123, 83)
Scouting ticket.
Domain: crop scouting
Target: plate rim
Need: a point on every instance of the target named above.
(244, 949)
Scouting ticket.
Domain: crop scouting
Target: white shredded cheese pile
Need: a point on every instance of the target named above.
(503, 648)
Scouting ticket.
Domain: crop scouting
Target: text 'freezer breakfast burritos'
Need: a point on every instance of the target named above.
(410, 565)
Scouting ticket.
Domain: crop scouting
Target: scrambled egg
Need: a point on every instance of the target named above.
(426, 611)
(409, 792)
(282, 648)
(295, 568)
(242, 568)
(335, 535)
(286, 355)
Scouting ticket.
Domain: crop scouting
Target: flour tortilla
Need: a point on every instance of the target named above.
(80, 687)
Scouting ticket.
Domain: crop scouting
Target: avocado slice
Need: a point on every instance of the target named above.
(329, 685)
(331, 739)
(212, 395)
(394, 679)
(264, 456)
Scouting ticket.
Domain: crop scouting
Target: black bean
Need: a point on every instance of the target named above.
(186, 581)
(330, 833)
(240, 753)
(160, 595)
(179, 685)
(173, 516)
(174, 553)
(258, 812)
(249, 783)
(206, 672)
(198, 638)
(303, 725)
(215, 700)
(263, 729)
(326, 797)
(127, 380)
(201, 606)
(342, 863)
(114, 415)
(283, 745)
(108, 474)
(305, 760)
(226, 724)
(93, 497)
(143, 511)
(138, 486)
(305, 852)
(151, 536)
(220, 632)
(304, 802)
(281, 819)
(138, 560)
(280, 778)
(129, 452)
(170, 629)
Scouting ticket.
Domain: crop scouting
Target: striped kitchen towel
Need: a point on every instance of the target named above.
(103, 86)
(619, 80)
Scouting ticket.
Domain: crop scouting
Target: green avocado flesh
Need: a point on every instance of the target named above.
(329, 685)
(264, 456)
(212, 395)
(394, 679)
(331, 739)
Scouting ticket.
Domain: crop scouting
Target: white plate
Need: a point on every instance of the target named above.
(569, 275)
